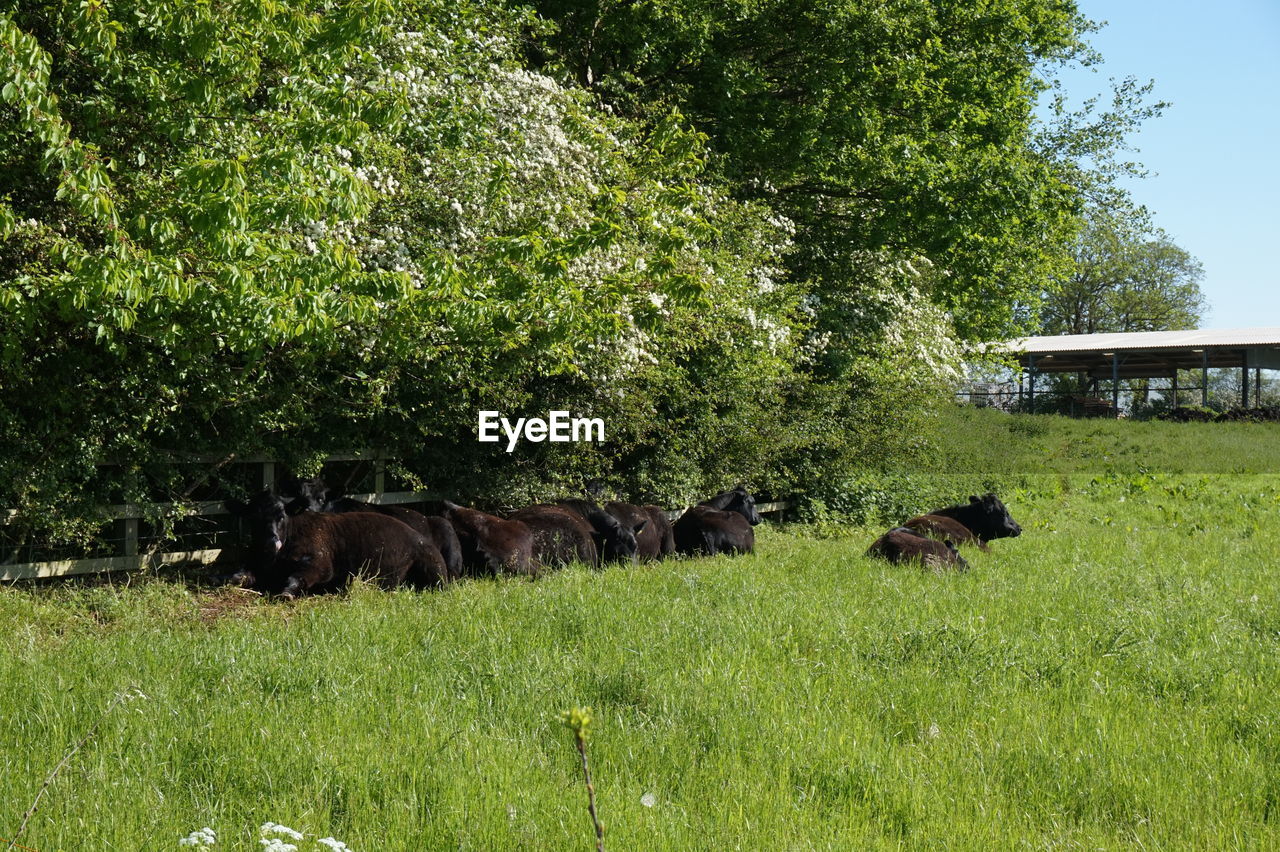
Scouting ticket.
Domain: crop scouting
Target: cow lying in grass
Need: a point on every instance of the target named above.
(293, 553)
(978, 521)
(315, 496)
(560, 536)
(491, 545)
(719, 525)
(900, 545)
(617, 539)
(654, 537)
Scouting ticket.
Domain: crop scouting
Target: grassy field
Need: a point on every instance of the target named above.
(1108, 680)
(990, 442)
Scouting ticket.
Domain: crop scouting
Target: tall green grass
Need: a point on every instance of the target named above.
(973, 440)
(1108, 680)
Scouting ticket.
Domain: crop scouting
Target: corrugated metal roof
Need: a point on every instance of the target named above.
(1188, 339)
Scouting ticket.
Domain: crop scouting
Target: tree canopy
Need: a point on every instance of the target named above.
(1124, 279)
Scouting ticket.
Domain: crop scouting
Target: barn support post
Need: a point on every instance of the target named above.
(1031, 378)
(1204, 379)
(1175, 387)
(380, 472)
(268, 474)
(1257, 387)
(1244, 381)
(1115, 382)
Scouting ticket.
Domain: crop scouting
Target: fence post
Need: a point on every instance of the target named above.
(131, 536)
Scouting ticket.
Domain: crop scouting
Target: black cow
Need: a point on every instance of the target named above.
(654, 540)
(491, 545)
(560, 536)
(986, 517)
(315, 496)
(616, 538)
(900, 545)
(719, 525)
(307, 551)
(433, 527)
(942, 528)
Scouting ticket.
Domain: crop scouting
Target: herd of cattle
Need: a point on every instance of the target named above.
(309, 540)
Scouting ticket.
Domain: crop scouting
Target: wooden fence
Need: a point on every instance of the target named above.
(135, 556)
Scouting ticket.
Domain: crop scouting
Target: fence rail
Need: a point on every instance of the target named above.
(134, 557)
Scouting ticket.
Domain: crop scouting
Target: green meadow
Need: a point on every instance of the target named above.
(1108, 680)
(993, 443)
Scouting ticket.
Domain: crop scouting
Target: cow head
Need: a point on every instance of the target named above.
(268, 518)
(615, 541)
(738, 500)
(744, 504)
(305, 494)
(993, 519)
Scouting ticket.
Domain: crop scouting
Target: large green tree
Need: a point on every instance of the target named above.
(1124, 278)
(902, 127)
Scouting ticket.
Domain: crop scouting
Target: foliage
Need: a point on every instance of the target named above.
(905, 128)
(931, 204)
(1124, 279)
(251, 228)
(158, 296)
(261, 229)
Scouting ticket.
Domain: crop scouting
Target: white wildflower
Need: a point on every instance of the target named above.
(648, 800)
(276, 828)
(203, 837)
(275, 844)
(334, 844)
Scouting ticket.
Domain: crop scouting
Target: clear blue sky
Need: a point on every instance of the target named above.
(1216, 149)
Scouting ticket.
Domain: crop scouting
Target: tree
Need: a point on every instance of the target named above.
(1124, 279)
(931, 204)
(905, 129)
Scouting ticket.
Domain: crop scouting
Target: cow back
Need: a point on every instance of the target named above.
(436, 528)
(489, 545)
(560, 536)
(942, 528)
(901, 545)
(705, 531)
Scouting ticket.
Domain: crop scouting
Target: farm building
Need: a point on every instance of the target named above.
(1105, 362)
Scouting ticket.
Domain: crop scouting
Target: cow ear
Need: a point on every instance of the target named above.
(641, 525)
(974, 498)
(297, 506)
